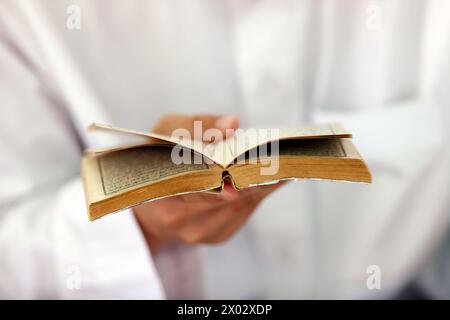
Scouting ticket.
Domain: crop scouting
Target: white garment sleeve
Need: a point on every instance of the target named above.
(381, 133)
(407, 204)
(49, 249)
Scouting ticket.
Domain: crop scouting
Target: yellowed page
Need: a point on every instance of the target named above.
(245, 140)
(129, 168)
(95, 151)
(224, 152)
(195, 145)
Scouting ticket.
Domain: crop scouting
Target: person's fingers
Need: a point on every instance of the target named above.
(206, 217)
(170, 122)
(254, 195)
(226, 223)
(229, 193)
(190, 204)
(218, 225)
(229, 228)
(203, 197)
(227, 124)
(201, 201)
(213, 226)
(186, 208)
(220, 122)
(179, 210)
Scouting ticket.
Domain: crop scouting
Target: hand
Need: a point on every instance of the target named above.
(198, 217)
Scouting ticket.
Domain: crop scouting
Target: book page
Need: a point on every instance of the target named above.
(249, 139)
(94, 151)
(328, 147)
(224, 152)
(130, 168)
(195, 145)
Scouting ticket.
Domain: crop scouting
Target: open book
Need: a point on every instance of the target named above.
(125, 176)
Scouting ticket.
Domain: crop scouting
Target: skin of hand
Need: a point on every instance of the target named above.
(199, 217)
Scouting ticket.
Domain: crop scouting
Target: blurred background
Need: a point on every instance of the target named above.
(381, 68)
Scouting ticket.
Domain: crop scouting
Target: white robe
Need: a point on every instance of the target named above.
(382, 68)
